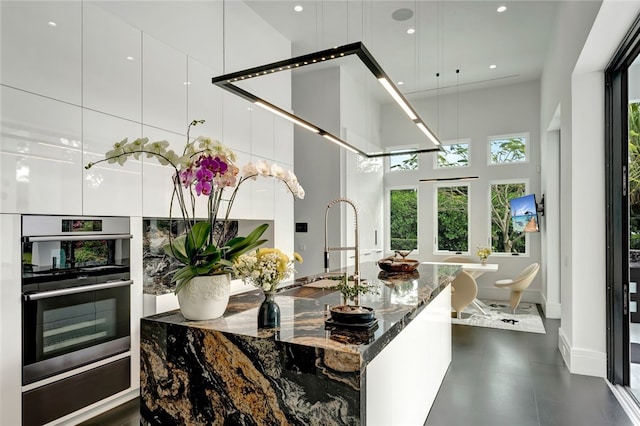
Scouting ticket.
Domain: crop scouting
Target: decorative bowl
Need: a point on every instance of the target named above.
(393, 264)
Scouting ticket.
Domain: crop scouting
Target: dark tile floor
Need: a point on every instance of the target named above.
(496, 378)
(500, 377)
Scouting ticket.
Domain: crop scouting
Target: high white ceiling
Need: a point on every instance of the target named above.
(449, 35)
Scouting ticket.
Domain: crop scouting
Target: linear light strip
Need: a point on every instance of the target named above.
(339, 142)
(227, 82)
(428, 132)
(396, 97)
(289, 117)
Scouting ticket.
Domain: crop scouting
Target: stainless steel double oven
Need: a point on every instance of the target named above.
(76, 287)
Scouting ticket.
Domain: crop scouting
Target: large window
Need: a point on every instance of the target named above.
(403, 219)
(503, 238)
(508, 149)
(455, 154)
(453, 218)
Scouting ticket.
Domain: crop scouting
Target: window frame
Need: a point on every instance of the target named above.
(527, 237)
(437, 186)
(449, 143)
(407, 148)
(527, 147)
(388, 221)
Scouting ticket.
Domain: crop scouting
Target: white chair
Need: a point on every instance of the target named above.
(519, 284)
(464, 290)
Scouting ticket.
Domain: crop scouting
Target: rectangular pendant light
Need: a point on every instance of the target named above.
(229, 81)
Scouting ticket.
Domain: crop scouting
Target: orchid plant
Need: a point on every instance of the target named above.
(205, 168)
(265, 268)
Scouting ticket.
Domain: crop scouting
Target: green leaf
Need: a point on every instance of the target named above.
(176, 249)
(185, 273)
(197, 238)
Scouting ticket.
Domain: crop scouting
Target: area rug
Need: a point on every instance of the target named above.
(498, 315)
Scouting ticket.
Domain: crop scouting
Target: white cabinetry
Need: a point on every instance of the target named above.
(40, 155)
(402, 393)
(41, 47)
(164, 80)
(111, 65)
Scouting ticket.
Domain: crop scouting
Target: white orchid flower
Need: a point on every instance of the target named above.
(137, 146)
(263, 168)
(278, 171)
(118, 150)
(250, 170)
(158, 147)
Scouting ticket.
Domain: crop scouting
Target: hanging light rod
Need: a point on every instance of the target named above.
(449, 179)
(229, 81)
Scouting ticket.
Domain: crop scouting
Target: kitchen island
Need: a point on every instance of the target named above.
(227, 371)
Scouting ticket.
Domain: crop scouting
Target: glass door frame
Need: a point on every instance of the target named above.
(617, 206)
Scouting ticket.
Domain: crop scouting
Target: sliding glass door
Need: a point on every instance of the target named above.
(623, 213)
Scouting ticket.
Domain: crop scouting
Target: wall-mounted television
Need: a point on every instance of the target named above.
(524, 214)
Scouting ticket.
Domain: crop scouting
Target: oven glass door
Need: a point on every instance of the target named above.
(78, 326)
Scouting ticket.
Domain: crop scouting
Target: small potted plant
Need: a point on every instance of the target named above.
(483, 253)
(350, 311)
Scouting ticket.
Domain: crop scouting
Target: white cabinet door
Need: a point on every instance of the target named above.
(111, 64)
(41, 47)
(110, 189)
(40, 155)
(205, 101)
(164, 94)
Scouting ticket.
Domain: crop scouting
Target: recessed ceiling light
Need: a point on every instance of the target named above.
(52, 24)
(411, 30)
(187, 83)
(501, 9)
(298, 8)
(129, 58)
(400, 83)
(492, 66)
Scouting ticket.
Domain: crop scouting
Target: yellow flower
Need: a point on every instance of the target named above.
(297, 257)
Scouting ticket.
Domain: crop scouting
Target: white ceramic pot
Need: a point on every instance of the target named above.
(205, 298)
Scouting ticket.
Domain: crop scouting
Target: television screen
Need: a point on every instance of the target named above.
(524, 214)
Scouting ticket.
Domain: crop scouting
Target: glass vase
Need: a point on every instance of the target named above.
(269, 311)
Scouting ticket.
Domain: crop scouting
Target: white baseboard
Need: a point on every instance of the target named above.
(582, 361)
(551, 309)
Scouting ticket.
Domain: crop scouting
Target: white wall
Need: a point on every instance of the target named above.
(585, 38)
(69, 93)
(482, 113)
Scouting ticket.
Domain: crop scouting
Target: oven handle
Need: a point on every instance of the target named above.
(85, 237)
(75, 290)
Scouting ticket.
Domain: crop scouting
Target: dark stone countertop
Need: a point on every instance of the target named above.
(400, 298)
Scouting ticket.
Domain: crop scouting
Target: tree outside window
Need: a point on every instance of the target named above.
(634, 176)
(453, 218)
(402, 162)
(403, 219)
(507, 150)
(453, 155)
(503, 238)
